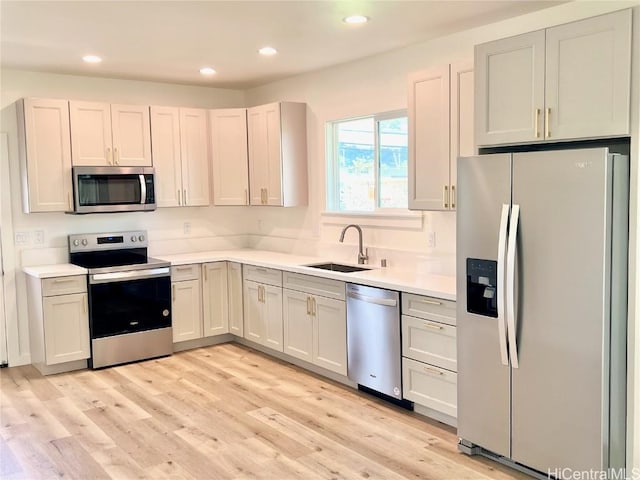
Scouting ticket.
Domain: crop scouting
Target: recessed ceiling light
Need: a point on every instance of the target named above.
(267, 51)
(355, 19)
(207, 71)
(91, 59)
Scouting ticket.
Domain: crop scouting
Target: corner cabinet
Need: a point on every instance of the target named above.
(180, 156)
(566, 82)
(440, 130)
(277, 141)
(106, 135)
(229, 156)
(44, 144)
(58, 323)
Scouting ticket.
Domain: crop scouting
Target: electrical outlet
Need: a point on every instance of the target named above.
(22, 238)
(431, 239)
(38, 237)
(187, 228)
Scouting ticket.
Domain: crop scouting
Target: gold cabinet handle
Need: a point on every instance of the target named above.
(547, 131)
(69, 200)
(430, 302)
(184, 194)
(433, 326)
(536, 120)
(84, 303)
(116, 159)
(246, 196)
(433, 370)
(313, 306)
(179, 198)
(308, 305)
(109, 156)
(204, 272)
(173, 292)
(453, 196)
(446, 196)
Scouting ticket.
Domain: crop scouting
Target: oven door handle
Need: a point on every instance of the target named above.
(131, 275)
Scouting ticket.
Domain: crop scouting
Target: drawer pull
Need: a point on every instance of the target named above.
(433, 370)
(430, 302)
(261, 270)
(64, 280)
(433, 326)
(182, 269)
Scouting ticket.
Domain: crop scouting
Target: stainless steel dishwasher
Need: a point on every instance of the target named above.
(373, 339)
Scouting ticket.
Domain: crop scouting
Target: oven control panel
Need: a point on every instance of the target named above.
(89, 242)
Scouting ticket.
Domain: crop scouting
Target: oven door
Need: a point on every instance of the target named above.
(113, 189)
(129, 302)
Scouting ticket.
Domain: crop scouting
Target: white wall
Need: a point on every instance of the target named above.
(211, 227)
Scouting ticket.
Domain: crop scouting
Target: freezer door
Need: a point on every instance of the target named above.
(484, 187)
(562, 309)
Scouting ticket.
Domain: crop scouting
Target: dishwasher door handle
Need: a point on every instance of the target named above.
(387, 302)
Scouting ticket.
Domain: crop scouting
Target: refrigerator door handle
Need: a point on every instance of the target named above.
(511, 284)
(502, 253)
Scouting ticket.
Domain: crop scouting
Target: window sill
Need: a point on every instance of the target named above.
(400, 219)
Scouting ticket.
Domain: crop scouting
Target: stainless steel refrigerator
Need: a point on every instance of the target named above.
(541, 308)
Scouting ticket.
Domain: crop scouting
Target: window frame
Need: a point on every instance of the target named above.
(333, 170)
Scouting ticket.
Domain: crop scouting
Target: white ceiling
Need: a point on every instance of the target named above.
(169, 41)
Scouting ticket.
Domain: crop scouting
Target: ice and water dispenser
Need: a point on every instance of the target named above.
(482, 277)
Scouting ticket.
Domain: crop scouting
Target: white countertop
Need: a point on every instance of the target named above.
(392, 278)
(57, 270)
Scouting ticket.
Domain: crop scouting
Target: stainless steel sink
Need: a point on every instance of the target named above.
(338, 267)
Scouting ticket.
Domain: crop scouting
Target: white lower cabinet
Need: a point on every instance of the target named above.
(186, 301)
(215, 299)
(315, 327)
(234, 289)
(263, 306)
(429, 356)
(58, 322)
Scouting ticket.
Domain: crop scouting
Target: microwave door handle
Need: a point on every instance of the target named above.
(143, 189)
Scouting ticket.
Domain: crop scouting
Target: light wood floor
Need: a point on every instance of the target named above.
(222, 412)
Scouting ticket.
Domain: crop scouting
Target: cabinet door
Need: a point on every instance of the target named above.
(429, 140)
(66, 328)
(47, 156)
(265, 161)
(229, 156)
(215, 300)
(330, 334)
(254, 325)
(187, 310)
(273, 317)
(90, 133)
(234, 273)
(298, 324)
(509, 89)
(588, 77)
(194, 148)
(131, 133)
(461, 130)
(165, 136)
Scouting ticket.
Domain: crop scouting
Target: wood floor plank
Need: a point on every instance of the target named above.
(225, 412)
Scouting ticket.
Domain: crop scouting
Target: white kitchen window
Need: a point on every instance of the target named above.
(367, 164)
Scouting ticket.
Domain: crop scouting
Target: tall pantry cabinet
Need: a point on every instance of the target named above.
(277, 140)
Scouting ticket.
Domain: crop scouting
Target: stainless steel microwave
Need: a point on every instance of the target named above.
(113, 189)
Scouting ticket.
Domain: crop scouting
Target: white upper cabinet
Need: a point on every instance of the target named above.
(110, 135)
(566, 82)
(229, 156)
(277, 142)
(45, 154)
(180, 156)
(440, 130)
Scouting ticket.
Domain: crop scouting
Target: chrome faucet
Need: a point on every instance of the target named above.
(363, 256)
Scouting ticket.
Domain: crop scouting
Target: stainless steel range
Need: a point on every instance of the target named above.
(129, 297)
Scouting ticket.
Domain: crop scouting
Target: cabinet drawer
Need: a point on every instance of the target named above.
(431, 308)
(64, 285)
(314, 285)
(430, 386)
(262, 275)
(430, 342)
(180, 273)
